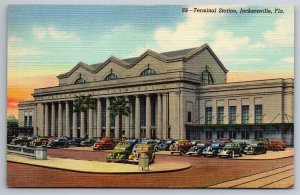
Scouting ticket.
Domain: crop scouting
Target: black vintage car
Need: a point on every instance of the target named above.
(58, 143)
(198, 149)
(75, 141)
(231, 149)
(213, 149)
(256, 147)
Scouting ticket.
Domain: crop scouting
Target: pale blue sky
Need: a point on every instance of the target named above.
(57, 37)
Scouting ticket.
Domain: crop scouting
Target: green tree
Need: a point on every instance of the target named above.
(12, 125)
(83, 103)
(119, 107)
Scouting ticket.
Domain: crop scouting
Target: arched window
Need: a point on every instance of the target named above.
(111, 76)
(80, 81)
(148, 71)
(206, 78)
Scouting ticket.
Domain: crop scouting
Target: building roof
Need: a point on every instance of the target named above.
(129, 62)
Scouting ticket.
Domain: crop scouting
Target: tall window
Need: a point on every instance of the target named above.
(258, 134)
(208, 115)
(103, 113)
(220, 115)
(80, 81)
(208, 135)
(30, 119)
(148, 71)
(25, 119)
(232, 134)
(245, 134)
(206, 78)
(232, 115)
(245, 114)
(220, 134)
(258, 114)
(111, 76)
(153, 112)
(143, 111)
(189, 119)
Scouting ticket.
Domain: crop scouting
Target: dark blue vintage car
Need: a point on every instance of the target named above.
(58, 143)
(213, 149)
(165, 144)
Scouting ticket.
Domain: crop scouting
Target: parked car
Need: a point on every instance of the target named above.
(120, 153)
(21, 141)
(75, 141)
(231, 149)
(213, 149)
(194, 142)
(106, 143)
(58, 143)
(165, 144)
(198, 149)
(276, 145)
(151, 142)
(256, 147)
(39, 142)
(142, 149)
(131, 142)
(181, 147)
(89, 142)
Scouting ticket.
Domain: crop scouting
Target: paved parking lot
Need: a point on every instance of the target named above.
(205, 172)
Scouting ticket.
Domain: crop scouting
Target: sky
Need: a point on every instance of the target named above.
(47, 40)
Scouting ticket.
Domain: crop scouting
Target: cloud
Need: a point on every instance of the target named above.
(15, 52)
(226, 41)
(53, 33)
(259, 45)
(283, 32)
(289, 59)
(14, 40)
(189, 33)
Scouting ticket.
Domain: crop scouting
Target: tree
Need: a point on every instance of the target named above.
(119, 107)
(83, 103)
(12, 125)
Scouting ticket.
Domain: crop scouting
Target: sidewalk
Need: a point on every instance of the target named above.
(96, 166)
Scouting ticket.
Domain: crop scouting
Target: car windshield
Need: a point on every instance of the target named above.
(169, 141)
(229, 145)
(201, 144)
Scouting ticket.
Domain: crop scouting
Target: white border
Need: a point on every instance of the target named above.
(45, 191)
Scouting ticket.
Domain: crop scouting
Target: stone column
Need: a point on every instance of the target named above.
(46, 120)
(117, 126)
(53, 119)
(148, 116)
(99, 119)
(127, 124)
(59, 127)
(82, 124)
(68, 131)
(131, 121)
(74, 124)
(90, 123)
(137, 117)
(107, 123)
(159, 117)
(165, 123)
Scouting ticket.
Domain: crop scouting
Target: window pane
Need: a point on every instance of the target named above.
(208, 115)
(258, 114)
(245, 114)
(232, 115)
(220, 115)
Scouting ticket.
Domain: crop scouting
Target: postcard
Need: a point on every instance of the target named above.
(156, 96)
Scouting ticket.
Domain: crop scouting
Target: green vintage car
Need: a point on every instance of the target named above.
(231, 149)
(120, 153)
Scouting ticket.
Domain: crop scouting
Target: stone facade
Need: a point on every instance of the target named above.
(170, 95)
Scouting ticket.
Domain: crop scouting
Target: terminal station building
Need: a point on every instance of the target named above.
(178, 94)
